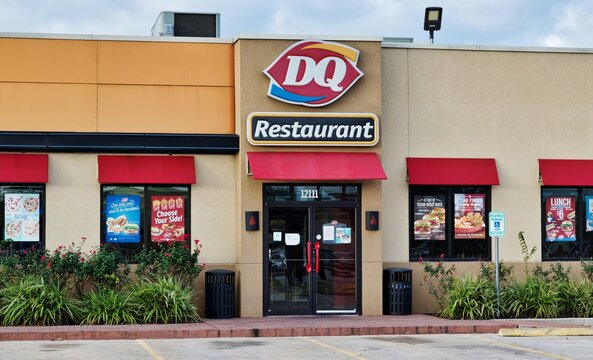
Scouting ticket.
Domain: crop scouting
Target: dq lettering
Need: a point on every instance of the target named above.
(317, 72)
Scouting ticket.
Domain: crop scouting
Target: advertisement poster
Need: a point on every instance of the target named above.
(560, 218)
(167, 218)
(343, 235)
(589, 202)
(429, 217)
(123, 218)
(469, 216)
(21, 217)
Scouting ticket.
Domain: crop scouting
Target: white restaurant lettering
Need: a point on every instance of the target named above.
(296, 130)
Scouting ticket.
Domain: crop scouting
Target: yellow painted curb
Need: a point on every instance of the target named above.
(546, 331)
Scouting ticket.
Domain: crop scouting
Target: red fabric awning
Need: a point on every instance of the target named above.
(452, 171)
(136, 169)
(566, 172)
(315, 166)
(23, 168)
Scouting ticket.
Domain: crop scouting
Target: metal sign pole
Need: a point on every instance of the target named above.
(497, 282)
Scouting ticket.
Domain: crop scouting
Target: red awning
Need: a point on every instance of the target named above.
(452, 171)
(136, 169)
(315, 166)
(23, 168)
(566, 172)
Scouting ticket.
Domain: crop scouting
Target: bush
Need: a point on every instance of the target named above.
(105, 269)
(471, 298)
(438, 280)
(108, 307)
(34, 301)
(164, 301)
(488, 271)
(575, 298)
(170, 259)
(534, 298)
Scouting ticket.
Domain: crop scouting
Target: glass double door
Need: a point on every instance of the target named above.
(311, 258)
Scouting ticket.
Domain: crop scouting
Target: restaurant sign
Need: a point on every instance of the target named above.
(313, 129)
(313, 73)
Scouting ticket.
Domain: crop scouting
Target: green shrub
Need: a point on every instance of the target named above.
(108, 307)
(587, 269)
(488, 271)
(34, 301)
(471, 298)
(534, 298)
(575, 298)
(104, 269)
(555, 273)
(438, 280)
(173, 259)
(164, 301)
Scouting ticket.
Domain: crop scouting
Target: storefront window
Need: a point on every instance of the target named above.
(133, 217)
(23, 218)
(567, 223)
(449, 223)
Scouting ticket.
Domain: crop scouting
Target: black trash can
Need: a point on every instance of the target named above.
(397, 291)
(220, 294)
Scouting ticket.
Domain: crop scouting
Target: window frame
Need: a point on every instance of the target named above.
(583, 249)
(11, 250)
(145, 192)
(449, 193)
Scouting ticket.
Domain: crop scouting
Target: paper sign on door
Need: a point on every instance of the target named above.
(292, 239)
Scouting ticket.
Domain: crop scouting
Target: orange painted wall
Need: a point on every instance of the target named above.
(116, 86)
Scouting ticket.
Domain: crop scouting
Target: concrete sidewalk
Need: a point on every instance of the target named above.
(280, 326)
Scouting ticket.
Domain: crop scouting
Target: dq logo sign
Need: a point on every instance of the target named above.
(313, 73)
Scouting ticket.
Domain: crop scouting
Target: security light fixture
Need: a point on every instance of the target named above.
(432, 21)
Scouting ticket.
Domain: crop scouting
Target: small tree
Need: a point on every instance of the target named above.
(527, 253)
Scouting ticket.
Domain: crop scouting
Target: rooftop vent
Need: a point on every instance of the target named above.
(187, 24)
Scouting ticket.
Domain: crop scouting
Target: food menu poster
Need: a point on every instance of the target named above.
(21, 217)
(123, 218)
(469, 216)
(167, 218)
(560, 218)
(429, 217)
(589, 202)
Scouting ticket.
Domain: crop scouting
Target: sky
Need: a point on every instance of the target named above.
(548, 23)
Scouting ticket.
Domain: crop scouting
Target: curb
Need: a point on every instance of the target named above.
(546, 331)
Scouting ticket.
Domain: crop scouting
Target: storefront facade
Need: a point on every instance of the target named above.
(307, 200)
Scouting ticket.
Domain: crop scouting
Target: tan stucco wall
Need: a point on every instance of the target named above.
(73, 204)
(251, 58)
(516, 107)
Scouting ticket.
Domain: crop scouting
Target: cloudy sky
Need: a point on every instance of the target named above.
(556, 23)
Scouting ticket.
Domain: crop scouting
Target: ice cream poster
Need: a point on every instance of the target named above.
(167, 218)
(560, 218)
(123, 218)
(21, 217)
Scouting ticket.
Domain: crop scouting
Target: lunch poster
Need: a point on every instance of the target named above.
(123, 218)
(560, 218)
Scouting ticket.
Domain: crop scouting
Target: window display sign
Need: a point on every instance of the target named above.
(343, 235)
(469, 216)
(167, 218)
(429, 217)
(123, 218)
(560, 218)
(21, 217)
(589, 202)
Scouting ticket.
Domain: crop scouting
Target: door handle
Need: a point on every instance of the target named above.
(317, 246)
(308, 267)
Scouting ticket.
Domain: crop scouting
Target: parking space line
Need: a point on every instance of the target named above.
(522, 348)
(155, 355)
(341, 351)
